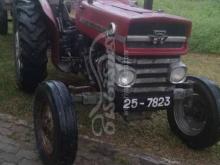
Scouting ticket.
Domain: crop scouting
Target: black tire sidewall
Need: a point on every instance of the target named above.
(44, 96)
(210, 134)
(33, 55)
(15, 26)
(62, 128)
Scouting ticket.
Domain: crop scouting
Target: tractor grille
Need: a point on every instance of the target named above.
(141, 35)
(152, 74)
(143, 28)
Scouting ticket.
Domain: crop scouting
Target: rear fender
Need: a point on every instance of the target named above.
(53, 28)
(48, 11)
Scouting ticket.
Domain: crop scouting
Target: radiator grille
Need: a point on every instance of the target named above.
(152, 74)
(143, 28)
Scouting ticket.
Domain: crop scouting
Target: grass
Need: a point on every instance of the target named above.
(11, 99)
(205, 16)
(151, 136)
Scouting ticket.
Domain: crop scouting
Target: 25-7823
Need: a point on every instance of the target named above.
(151, 102)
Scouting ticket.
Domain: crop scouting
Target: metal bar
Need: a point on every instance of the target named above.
(87, 98)
(138, 38)
(80, 89)
(126, 60)
(148, 39)
(176, 39)
(152, 70)
(146, 89)
(150, 80)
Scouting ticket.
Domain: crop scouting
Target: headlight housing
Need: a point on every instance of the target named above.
(126, 76)
(178, 73)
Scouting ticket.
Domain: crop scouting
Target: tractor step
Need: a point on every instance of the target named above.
(87, 98)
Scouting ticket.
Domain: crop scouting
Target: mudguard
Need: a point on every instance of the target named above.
(53, 27)
(48, 11)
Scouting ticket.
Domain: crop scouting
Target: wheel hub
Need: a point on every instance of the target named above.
(47, 129)
(191, 121)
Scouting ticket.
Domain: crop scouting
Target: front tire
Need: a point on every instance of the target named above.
(30, 44)
(55, 124)
(199, 125)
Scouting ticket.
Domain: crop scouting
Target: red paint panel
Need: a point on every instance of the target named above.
(102, 13)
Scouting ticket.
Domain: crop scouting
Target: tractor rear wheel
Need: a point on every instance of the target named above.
(55, 124)
(3, 19)
(30, 44)
(198, 125)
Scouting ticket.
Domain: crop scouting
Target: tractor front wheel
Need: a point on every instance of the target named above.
(198, 125)
(55, 124)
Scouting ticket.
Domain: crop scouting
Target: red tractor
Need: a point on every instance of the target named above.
(130, 53)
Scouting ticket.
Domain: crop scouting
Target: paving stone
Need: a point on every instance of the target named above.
(5, 139)
(17, 147)
(8, 148)
(5, 117)
(5, 124)
(5, 131)
(31, 155)
(5, 163)
(29, 162)
(8, 157)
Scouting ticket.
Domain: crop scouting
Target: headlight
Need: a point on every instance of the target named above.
(178, 73)
(125, 78)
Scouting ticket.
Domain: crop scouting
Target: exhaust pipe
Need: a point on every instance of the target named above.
(148, 4)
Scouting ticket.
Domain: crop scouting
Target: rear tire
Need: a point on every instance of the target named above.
(55, 124)
(3, 20)
(199, 125)
(30, 44)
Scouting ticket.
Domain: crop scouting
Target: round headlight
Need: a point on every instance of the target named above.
(126, 78)
(178, 75)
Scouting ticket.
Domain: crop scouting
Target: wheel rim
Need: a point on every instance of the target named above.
(47, 129)
(18, 62)
(191, 121)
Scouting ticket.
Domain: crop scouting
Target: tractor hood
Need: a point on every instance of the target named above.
(139, 31)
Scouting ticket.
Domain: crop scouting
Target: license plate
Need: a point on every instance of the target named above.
(147, 103)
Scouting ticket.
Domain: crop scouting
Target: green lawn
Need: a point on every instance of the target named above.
(11, 99)
(205, 15)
